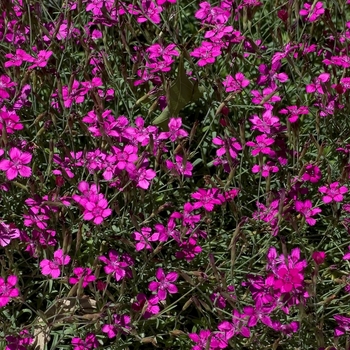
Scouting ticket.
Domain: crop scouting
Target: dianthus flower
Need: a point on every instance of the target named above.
(207, 198)
(235, 84)
(164, 284)
(305, 208)
(262, 145)
(333, 193)
(96, 209)
(82, 273)
(8, 290)
(53, 267)
(312, 173)
(312, 11)
(117, 265)
(121, 325)
(21, 342)
(175, 132)
(89, 343)
(206, 53)
(16, 164)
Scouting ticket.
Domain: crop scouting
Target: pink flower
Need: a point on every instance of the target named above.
(212, 15)
(175, 132)
(235, 84)
(262, 145)
(268, 95)
(333, 193)
(318, 85)
(143, 177)
(8, 290)
(18, 58)
(96, 209)
(164, 285)
(207, 198)
(265, 169)
(147, 307)
(82, 273)
(89, 343)
(16, 164)
(288, 279)
(206, 53)
(53, 267)
(8, 233)
(343, 325)
(227, 144)
(21, 342)
(312, 11)
(144, 237)
(293, 112)
(319, 257)
(121, 325)
(150, 11)
(181, 167)
(305, 208)
(117, 265)
(41, 60)
(202, 340)
(312, 173)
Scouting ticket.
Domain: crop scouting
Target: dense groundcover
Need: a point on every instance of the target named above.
(174, 174)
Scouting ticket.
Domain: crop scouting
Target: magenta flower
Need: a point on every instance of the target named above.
(8, 290)
(312, 11)
(15, 165)
(206, 53)
(203, 340)
(333, 193)
(305, 208)
(41, 60)
(268, 95)
(8, 233)
(265, 169)
(212, 15)
(89, 343)
(227, 144)
(150, 11)
(235, 84)
(262, 145)
(96, 209)
(53, 267)
(175, 132)
(17, 59)
(82, 273)
(5, 85)
(143, 177)
(117, 265)
(207, 198)
(147, 307)
(164, 285)
(181, 167)
(343, 325)
(318, 85)
(121, 325)
(21, 342)
(293, 112)
(312, 173)
(144, 237)
(288, 279)
(268, 123)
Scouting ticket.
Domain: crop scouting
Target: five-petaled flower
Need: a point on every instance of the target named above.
(53, 267)
(305, 208)
(333, 193)
(16, 164)
(164, 284)
(8, 290)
